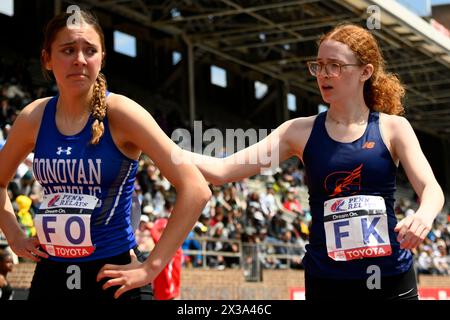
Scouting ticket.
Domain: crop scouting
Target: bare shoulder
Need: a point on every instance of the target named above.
(303, 123)
(32, 113)
(120, 105)
(29, 120)
(21, 139)
(298, 131)
(299, 127)
(394, 124)
(129, 123)
(124, 112)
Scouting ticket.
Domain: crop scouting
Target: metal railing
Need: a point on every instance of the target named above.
(252, 257)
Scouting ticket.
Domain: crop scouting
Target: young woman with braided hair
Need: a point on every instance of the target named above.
(357, 249)
(86, 142)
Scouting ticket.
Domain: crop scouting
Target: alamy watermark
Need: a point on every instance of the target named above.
(74, 278)
(202, 147)
(75, 20)
(374, 280)
(374, 19)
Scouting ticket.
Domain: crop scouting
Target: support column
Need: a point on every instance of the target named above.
(282, 111)
(191, 80)
(285, 110)
(446, 166)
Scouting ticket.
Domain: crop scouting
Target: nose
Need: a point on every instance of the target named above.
(79, 59)
(324, 71)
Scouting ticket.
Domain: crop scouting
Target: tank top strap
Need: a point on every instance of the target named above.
(373, 130)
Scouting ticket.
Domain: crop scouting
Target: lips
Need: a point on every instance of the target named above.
(77, 75)
(326, 87)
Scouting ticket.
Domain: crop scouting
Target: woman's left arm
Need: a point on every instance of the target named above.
(413, 229)
(135, 126)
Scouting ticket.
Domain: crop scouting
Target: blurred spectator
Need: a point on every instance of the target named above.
(424, 262)
(6, 112)
(192, 244)
(300, 228)
(287, 249)
(233, 248)
(267, 250)
(143, 235)
(6, 266)
(440, 262)
(25, 218)
(217, 232)
(147, 177)
(166, 285)
(291, 203)
(232, 199)
(277, 225)
(270, 202)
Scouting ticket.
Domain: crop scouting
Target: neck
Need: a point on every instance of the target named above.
(349, 112)
(74, 105)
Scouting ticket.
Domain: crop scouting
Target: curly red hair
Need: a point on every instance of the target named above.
(383, 92)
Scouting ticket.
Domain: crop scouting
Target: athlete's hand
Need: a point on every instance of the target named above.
(129, 276)
(412, 230)
(27, 248)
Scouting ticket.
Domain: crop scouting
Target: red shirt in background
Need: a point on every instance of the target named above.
(166, 285)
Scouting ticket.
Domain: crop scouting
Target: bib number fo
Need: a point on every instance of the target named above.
(63, 224)
(356, 227)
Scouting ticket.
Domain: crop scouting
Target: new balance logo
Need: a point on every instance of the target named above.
(66, 151)
(368, 145)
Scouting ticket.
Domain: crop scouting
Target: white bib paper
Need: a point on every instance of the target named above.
(63, 224)
(356, 227)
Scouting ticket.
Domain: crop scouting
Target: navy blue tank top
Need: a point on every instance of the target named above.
(334, 170)
(70, 164)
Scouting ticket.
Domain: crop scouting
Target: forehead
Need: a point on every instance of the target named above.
(335, 50)
(85, 33)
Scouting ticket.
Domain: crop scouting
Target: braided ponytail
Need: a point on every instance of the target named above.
(98, 108)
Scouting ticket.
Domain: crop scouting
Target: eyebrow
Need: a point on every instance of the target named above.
(330, 59)
(73, 42)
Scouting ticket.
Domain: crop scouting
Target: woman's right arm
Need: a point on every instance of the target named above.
(284, 142)
(20, 143)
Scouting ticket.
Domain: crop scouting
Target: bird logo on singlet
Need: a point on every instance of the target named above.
(343, 183)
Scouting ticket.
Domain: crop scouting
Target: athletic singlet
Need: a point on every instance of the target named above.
(351, 193)
(87, 193)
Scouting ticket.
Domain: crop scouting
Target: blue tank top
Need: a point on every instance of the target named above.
(334, 170)
(70, 164)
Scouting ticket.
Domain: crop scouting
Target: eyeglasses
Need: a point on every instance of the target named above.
(332, 69)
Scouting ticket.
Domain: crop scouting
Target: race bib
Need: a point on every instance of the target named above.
(63, 224)
(356, 227)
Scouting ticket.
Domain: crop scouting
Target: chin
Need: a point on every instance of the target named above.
(327, 99)
(80, 87)
(331, 98)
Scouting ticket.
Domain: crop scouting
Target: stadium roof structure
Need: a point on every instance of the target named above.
(276, 38)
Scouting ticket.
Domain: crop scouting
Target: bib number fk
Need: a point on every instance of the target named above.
(356, 227)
